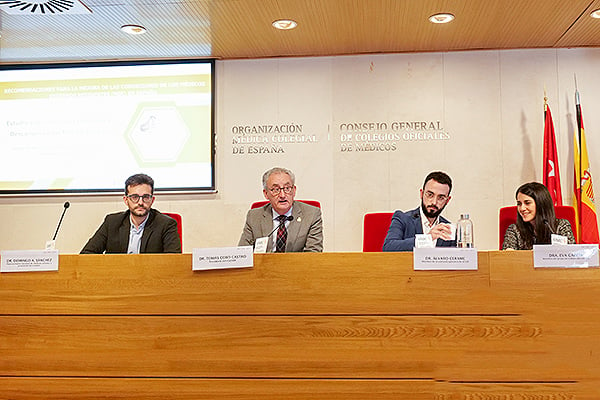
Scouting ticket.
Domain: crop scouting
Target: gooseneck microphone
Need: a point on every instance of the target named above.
(66, 205)
(288, 218)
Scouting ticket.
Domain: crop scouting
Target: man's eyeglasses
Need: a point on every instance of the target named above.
(440, 198)
(136, 197)
(276, 190)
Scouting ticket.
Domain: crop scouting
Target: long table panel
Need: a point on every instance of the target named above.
(300, 325)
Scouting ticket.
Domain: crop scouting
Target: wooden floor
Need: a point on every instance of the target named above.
(300, 326)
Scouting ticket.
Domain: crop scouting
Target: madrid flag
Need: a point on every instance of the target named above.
(583, 201)
(551, 174)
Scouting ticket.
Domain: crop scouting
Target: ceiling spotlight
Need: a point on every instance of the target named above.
(285, 24)
(133, 29)
(595, 13)
(441, 18)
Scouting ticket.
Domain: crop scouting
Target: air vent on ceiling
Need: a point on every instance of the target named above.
(43, 7)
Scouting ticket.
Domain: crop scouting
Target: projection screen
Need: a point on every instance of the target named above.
(86, 127)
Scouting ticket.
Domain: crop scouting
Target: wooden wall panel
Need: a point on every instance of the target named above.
(239, 29)
(338, 325)
(571, 292)
(332, 283)
(357, 347)
(266, 389)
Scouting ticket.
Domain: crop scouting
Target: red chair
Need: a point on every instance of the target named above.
(177, 217)
(261, 203)
(508, 215)
(375, 228)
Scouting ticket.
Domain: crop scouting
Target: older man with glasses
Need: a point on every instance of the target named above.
(435, 195)
(286, 225)
(140, 229)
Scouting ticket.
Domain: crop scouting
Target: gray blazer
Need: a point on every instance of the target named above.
(305, 232)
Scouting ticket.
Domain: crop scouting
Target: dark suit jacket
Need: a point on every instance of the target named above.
(305, 232)
(160, 235)
(403, 229)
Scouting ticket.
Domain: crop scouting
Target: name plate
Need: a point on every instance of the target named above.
(260, 245)
(424, 241)
(29, 260)
(445, 258)
(565, 256)
(222, 258)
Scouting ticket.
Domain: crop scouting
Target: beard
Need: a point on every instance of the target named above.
(433, 211)
(140, 212)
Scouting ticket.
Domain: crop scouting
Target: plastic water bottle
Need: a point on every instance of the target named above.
(464, 231)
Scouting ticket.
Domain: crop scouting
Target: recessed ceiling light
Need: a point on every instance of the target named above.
(285, 24)
(441, 18)
(133, 29)
(595, 13)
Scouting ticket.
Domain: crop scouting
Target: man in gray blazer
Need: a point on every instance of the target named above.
(291, 226)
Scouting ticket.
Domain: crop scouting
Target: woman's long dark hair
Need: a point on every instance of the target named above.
(544, 215)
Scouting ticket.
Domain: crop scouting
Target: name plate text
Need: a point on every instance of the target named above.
(565, 256)
(29, 260)
(222, 257)
(445, 258)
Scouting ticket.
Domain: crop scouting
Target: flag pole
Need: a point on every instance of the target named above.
(578, 111)
(579, 162)
(578, 114)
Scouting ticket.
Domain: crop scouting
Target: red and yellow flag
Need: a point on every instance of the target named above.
(583, 201)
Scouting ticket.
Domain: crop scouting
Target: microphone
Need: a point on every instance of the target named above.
(260, 244)
(66, 205)
(549, 227)
(288, 218)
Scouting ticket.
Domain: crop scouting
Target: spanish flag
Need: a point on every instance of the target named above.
(583, 201)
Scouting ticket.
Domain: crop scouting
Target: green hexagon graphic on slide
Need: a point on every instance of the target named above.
(156, 134)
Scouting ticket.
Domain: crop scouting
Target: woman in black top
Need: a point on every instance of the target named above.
(536, 220)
